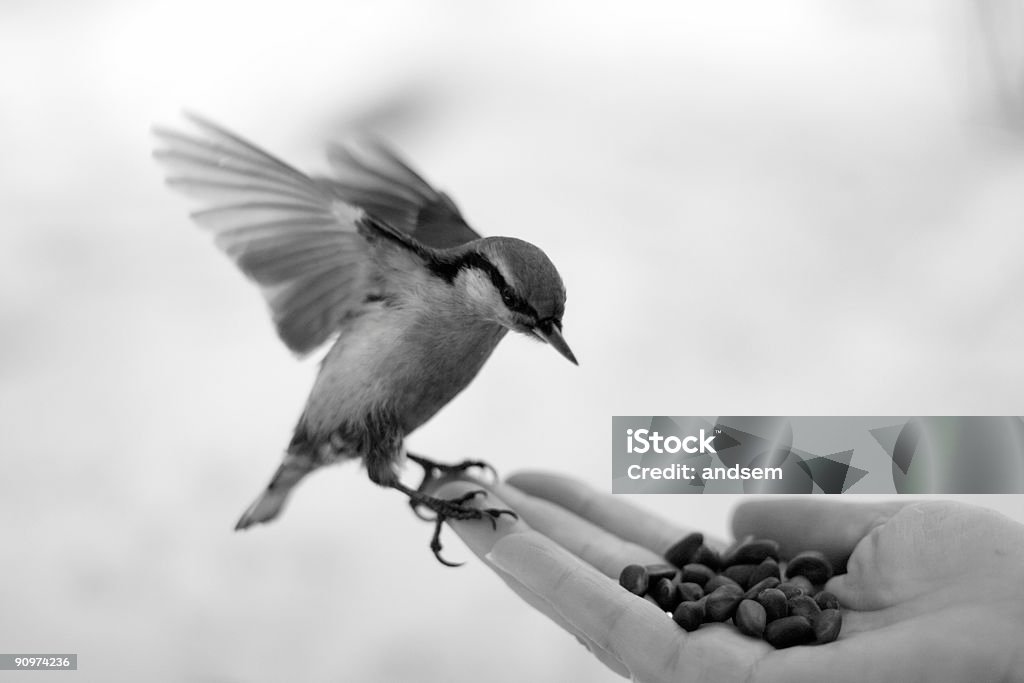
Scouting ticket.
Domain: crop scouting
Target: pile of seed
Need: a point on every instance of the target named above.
(780, 602)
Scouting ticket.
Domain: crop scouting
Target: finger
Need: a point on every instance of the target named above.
(833, 528)
(605, 657)
(545, 608)
(481, 537)
(650, 644)
(609, 512)
(599, 548)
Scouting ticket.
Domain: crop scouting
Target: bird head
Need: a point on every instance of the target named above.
(515, 284)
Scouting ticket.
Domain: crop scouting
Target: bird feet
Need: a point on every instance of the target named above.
(433, 471)
(453, 508)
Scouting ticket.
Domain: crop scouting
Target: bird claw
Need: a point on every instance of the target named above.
(432, 471)
(455, 508)
(461, 467)
(435, 545)
(416, 505)
(494, 513)
(487, 467)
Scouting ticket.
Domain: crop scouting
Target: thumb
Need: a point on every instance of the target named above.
(831, 527)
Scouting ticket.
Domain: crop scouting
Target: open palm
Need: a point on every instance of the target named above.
(934, 591)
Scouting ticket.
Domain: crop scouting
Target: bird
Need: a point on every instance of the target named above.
(375, 260)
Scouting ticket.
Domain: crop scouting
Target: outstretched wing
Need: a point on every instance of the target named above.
(285, 230)
(372, 176)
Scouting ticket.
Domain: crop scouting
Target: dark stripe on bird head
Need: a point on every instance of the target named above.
(449, 268)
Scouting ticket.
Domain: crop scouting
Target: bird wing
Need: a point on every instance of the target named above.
(311, 253)
(374, 177)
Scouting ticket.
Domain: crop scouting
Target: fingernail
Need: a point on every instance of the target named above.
(499, 555)
(492, 559)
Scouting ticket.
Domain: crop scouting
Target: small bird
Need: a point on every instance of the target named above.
(379, 260)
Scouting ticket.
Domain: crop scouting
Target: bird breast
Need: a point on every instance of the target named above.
(401, 360)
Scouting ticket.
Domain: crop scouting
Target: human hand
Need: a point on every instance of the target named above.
(934, 591)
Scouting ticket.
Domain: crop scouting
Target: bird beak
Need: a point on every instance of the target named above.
(553, 336)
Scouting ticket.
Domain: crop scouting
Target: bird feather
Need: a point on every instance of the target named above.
(307, 241)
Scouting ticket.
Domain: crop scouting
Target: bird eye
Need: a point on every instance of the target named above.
(508, 296)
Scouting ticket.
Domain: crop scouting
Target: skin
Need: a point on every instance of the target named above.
(934, 591)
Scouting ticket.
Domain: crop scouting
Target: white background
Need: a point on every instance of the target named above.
(807, 208)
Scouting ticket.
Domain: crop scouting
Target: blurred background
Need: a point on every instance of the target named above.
(778, 208)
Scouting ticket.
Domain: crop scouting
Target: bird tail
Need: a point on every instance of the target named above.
(271, 502)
